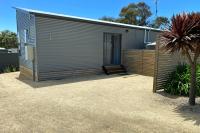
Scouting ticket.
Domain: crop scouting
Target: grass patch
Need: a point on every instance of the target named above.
(10, 68)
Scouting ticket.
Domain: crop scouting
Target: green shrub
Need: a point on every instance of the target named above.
(10, 68)
(178, 83)
(198, 80)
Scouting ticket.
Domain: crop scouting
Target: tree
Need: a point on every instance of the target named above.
(160, 22)
(106, 18)
(144, 13)
(8, 39)
(183, 36)
(128, 14)
(136, 14)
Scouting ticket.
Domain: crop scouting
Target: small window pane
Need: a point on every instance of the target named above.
(26, 36)
(26, 52)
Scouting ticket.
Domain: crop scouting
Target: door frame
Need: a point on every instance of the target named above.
(120, 52)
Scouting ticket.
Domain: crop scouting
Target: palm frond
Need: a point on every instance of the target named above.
(183, 33)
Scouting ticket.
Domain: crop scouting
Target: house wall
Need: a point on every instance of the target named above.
(25, 21)
(67, 48)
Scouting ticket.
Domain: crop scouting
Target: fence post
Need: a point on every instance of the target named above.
(156, 67)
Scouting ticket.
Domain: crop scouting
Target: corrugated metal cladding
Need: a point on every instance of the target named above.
(25, 21)
(69, 47)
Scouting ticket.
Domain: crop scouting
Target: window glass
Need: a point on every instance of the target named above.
(26, 52)
(19, 43)
(26, 35)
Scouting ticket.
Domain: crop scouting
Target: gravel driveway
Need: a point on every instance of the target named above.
(93, 104)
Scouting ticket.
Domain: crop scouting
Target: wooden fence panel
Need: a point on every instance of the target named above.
(139, 61)
(148, 62)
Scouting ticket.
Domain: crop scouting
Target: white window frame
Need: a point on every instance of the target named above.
(18, 37)
(26, 52)
(26, 35)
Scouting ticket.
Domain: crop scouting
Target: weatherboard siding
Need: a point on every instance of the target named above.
(67, 48)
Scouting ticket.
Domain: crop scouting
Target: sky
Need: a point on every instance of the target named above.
(89, 8)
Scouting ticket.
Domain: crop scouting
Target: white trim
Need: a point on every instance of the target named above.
(26, 52)
(25, 36)
(18, 38)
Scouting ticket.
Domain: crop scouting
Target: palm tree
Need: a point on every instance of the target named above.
(183, 35)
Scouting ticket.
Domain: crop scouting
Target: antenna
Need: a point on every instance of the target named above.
(156, 2)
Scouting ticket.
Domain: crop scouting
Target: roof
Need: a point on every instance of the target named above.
(62, 16)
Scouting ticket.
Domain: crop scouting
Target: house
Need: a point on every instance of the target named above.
(54, 46)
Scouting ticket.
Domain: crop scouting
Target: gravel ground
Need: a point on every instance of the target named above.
(93, 104)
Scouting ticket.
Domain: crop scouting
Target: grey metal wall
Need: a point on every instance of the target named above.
(69, 46)
(25, 21)
(8, 59)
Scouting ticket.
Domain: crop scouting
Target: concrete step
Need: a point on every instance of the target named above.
(114, 69)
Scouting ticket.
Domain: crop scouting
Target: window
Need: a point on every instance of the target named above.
(26, 41)
(26, 35)
(26, 52)
(29, 53)
(18, 37)
(31, 17)
(19, 49)
(19, 43)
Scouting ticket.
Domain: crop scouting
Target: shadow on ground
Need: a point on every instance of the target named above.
(163, 93)
(189, 113)
(48, 83)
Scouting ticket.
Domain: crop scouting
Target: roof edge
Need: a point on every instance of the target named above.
(85, 19)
